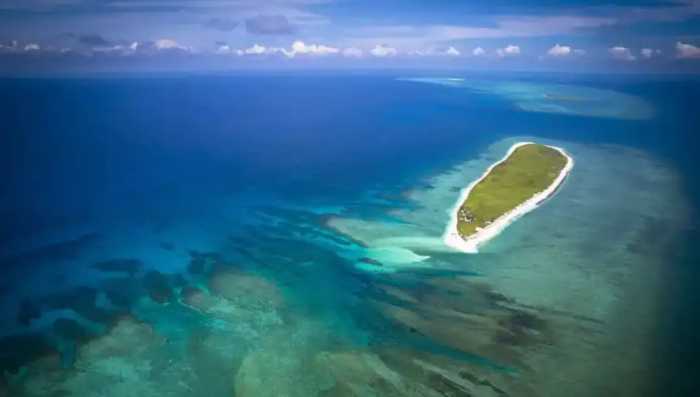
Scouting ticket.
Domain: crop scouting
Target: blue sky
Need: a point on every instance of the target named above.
(145, 35)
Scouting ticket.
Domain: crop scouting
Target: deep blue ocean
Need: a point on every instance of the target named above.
(158, 169)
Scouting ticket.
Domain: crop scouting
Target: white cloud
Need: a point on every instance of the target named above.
(279, 50)
(256, 49)
(119, 49)
(559, 50)
(686, 51)
(508, 51)
(621, 53)
(383, 51)
(453, 52)
(648, 53)
(562, 51)
(420, 53)
(163, 44)
(224, 49)
(169, 44)
(299, 47)
(32, 47)
(353, 52)
(110, 49)
(478, 51)
(432, 52)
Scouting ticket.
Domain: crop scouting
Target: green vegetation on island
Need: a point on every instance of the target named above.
(530, 169)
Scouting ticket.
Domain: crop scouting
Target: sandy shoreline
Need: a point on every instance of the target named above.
(452, 238)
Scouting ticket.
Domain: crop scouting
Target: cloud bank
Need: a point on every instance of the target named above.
(441, 31)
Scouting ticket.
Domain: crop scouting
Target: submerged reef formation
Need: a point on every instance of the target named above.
(346, 301)
(183, 349)
(554, 98)
(542, 308)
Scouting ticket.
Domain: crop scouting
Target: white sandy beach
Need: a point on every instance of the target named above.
(470, 245)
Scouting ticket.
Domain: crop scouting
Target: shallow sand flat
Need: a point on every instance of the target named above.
(421, 228)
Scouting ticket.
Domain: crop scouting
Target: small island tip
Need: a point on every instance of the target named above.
(526, 176)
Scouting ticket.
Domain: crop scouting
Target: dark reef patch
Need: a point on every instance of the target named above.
(158, 286)
(167, 246)
(121, 291)
(71, 330)
(28, 311)
(188, 291)
(56, 252)
(83, 300)
(123, 265)
(202, 262)
(178, 280)
(371, 261)
(18, 350)
(520, 328)
(481, 382)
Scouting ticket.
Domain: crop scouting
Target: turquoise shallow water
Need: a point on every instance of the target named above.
(554, 98)
(289, 244)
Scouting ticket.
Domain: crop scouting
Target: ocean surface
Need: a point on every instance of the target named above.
(279, 235)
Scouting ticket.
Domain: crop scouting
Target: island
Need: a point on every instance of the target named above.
(528, 174)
